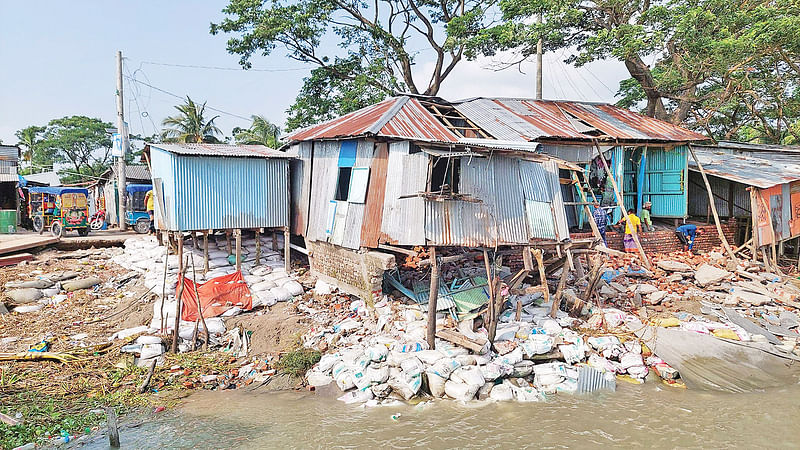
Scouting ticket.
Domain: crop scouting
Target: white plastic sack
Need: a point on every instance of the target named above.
(522, 369)
(293, 287)
(357, 396)
(512, 357)
(429, 357)
(436, 384)
(537, 344)
(412, 367)
(377, 374)
(262, 286)
(444, 367)
(468, 374)
(461, 391)
(502, 393)
(377, 352)
(281, 294)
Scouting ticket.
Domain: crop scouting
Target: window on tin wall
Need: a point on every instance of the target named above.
(351, 185)
(445, 175)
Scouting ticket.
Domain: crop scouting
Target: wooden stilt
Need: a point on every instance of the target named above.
(537, 254)
(774, 236)
(491, 326)
(228, 242)
(562, 282)
(432, 298)
(274, 241)
(754, 220)
(580, 272)
(237, 234)
(594, 276)
(713, 207)
(179, 293)
(205, 252)
(194, 240)
(287, 250)
(199, 310)
(258, 246)
(621, 205)
(587, 210)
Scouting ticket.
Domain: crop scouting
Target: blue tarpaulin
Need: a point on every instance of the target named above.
(58, 190)
(131, 188)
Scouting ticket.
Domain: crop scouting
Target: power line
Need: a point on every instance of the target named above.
(236, 69)
(182, 97)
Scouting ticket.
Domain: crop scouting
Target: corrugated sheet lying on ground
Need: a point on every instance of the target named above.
(222, 193)
(253, 151)
(525, 119)
(758, 172)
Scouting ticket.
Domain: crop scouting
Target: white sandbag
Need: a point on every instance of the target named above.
(262, 286)
(252, 279)
(344, 380)
(511, 357)
(526, 394)
(502, 393)
(537, 344)
(264, 298)
(429, 357)
(444, 367)
(522, 369)
(467, 360)
(218, 262)
(151, 351)
(293, 287)
(468, 374)
(412, 367)
(356, 396)
(261, 271)
(377, 352)
(28, 308)
(406, 387)
(395, 358)
(460, 391)
(548, 374)
(506, 333)
(435, 384)
(377, 374)
(327, 361)
(551, 327)
(281, 294)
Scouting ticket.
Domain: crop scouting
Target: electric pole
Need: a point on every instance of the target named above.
(539, 62)
(121, 179)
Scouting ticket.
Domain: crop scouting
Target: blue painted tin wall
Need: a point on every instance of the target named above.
(666, 179)
(212, 192)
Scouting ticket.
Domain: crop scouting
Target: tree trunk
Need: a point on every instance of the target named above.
(641, 73)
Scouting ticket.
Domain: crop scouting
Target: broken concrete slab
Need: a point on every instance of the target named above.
(674, 278)
(645, 289)
(751, 298)
(656, 297)
(707, 274)
(673, 266)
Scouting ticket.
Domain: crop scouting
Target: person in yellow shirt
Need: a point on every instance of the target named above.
(150, 207)
(627, 241)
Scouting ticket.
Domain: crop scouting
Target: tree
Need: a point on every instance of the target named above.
(709, 56)
(377, 45)
(80, 142)
(261, 132)
(190, 125)
(29, 138)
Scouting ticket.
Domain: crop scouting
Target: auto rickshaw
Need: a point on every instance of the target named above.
(59, 209)
(136, 208)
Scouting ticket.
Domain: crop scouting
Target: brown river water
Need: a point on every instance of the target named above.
(649, 415)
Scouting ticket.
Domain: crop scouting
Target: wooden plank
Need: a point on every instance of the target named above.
(19, 243)
(10, 260)
(460, 340)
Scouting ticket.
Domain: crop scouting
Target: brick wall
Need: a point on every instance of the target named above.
(357, 273)
(667, 241)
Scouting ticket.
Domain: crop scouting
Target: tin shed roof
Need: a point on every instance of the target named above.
(504, 119)
(255, 151)
(759, 172)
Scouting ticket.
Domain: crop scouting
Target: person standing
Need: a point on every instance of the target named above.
(647, 222)
(601, 219)
(150, 207)
(627, 241)
(687, 234)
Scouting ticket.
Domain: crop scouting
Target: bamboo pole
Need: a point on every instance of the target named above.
(490, 314)
(179, 294)
(205, 252)
(432, 298)
(199, 310)
(562, 282)
(237, 234)
(712, 206)
(586, 209)
(287, 250)
(774, 236)
(754, 220)
(621, 205)
(258, 246)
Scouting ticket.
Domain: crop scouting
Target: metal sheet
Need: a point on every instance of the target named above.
(759, 172)
(229, 150)
(458, 223)
(403, 218)
(324, 173)
(581, 154)
(376, 192)
(535, 181)
(665, 184)
(561, 227)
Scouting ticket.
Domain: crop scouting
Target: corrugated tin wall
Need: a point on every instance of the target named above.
(407, 174)
(203, 193)
(581, 154)
(698, 196)
(666, 175)
(325, 172)
(300, 175)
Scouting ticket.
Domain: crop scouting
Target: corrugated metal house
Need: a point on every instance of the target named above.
(9, 159)
(763, 189)
(402, 172)
(201, 187)
(648, 157)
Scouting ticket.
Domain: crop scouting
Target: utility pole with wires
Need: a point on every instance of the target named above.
(121, 178)
(539, 62)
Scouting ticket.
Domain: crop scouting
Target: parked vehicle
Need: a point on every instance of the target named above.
(59, 209)
(98, 220)
(135, 207)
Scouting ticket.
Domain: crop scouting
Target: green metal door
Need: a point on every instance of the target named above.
(666, 173)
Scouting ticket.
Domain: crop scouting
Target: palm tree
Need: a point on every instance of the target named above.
(190, 125)
(261, 132)
(29, 138)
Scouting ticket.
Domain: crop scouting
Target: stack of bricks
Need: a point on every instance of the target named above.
(666, 241)
(354, 272)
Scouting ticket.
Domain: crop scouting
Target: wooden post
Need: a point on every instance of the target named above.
(164, 288)
(113, 430)
(205, 252)
(754, 220)
(594, 276)
(228, 242)
(559, 290)
(518, 313)
(537, 253)
(199, 310)
(274, 241)
(194, 240)
(432, 297)
(179, 294)
(586, 209)
(621, 205)
(287, 250)
(237, 234)
(491, 327)
(774, 236)
(258, 246)
(712, 206)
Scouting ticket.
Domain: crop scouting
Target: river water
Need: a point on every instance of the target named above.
(651, 415)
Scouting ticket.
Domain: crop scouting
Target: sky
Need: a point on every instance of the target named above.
(57, 58)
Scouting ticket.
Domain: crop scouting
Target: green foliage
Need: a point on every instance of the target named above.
(374, 51)
(29, 139)
(79, 141)
(719, 66)
(190, 125)
(261, 132)
(298, 362)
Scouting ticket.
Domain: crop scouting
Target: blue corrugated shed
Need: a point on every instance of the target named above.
(220, 187)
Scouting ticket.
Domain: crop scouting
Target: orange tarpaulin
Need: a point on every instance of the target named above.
(217, 295)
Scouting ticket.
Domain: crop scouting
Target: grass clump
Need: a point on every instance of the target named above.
(297, 362)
